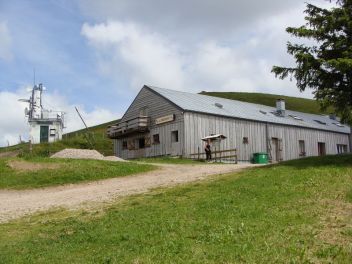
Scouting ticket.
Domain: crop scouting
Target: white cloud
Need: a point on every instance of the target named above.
(5, 42)
(14, 123)
(148, 57)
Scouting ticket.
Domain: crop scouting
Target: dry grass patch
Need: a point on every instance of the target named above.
(336, 222)
(23, 165)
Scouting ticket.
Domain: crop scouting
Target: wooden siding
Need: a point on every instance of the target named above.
(199, 125)
(157, 107)
(291, 135)
(164, 148)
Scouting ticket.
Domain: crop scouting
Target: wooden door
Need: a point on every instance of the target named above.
(275, 149)
(321, 149)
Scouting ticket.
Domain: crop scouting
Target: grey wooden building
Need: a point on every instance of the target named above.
(162, 122)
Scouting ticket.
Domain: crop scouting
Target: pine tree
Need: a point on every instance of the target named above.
(326, 65)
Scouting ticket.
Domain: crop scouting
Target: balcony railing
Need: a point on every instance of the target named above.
(135, 125)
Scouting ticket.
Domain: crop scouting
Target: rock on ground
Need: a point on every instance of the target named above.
(83, 154)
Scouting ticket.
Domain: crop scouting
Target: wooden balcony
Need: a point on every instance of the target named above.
(135, 125)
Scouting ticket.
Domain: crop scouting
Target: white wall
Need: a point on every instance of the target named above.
(34, 131)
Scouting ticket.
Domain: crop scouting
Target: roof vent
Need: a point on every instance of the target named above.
(263, 112)
(219, 105)
(332, 116)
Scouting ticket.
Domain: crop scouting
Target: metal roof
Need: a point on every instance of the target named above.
(237, 109)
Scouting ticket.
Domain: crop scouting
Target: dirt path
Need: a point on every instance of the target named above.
(14, 204)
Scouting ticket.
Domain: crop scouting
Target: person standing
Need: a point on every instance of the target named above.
(208, 151)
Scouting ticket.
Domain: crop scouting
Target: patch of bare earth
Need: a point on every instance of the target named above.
(17, 203)
(9, 154)
(21, 165)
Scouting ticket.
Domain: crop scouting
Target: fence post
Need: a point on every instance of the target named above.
(198, 154)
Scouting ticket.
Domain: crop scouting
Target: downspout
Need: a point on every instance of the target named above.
(270, 158)
(350, 139)
(183, 145)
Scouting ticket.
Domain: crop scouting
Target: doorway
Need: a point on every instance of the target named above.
(275, 149)
(44, 134)
(321, 149)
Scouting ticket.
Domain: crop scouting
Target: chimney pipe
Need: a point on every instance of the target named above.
(280, 106)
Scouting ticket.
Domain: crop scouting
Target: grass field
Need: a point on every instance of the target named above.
(41, 172)
(294, 212)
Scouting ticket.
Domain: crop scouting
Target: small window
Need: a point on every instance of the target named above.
(245, 140)
(131, 144)
(156, 139)
(143, 111)
(124, 144)
(341, 148)
(302, 148)
(174, 136)
(141, 143)
(52, 132)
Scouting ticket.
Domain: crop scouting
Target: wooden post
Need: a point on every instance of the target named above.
(30, 146)
(215, 154)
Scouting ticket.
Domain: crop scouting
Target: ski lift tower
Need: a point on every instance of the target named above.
(44, 125)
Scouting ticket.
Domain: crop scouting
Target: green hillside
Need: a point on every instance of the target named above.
(76, 139)
(292, 103)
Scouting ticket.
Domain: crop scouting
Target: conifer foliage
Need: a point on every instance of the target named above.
(326, 65)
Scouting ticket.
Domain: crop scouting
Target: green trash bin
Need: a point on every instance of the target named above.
(260, 158)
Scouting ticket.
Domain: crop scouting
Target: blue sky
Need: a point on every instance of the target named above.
(45, 35)
(98, 54)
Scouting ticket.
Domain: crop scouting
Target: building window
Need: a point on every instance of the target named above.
(131, 144)
(141, 143)
(52, 132)
(245, 140)
(174, 136)
(156, 139)
(124, 144)
(341, 148)
(302, 148)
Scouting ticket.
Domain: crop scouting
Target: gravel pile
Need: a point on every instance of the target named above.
(83, 154)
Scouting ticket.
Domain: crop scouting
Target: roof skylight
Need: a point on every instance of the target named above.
(219, 105)
(320, 122)
(338, 124)
(296, 117)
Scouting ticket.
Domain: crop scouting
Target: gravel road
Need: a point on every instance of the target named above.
(17, 203)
